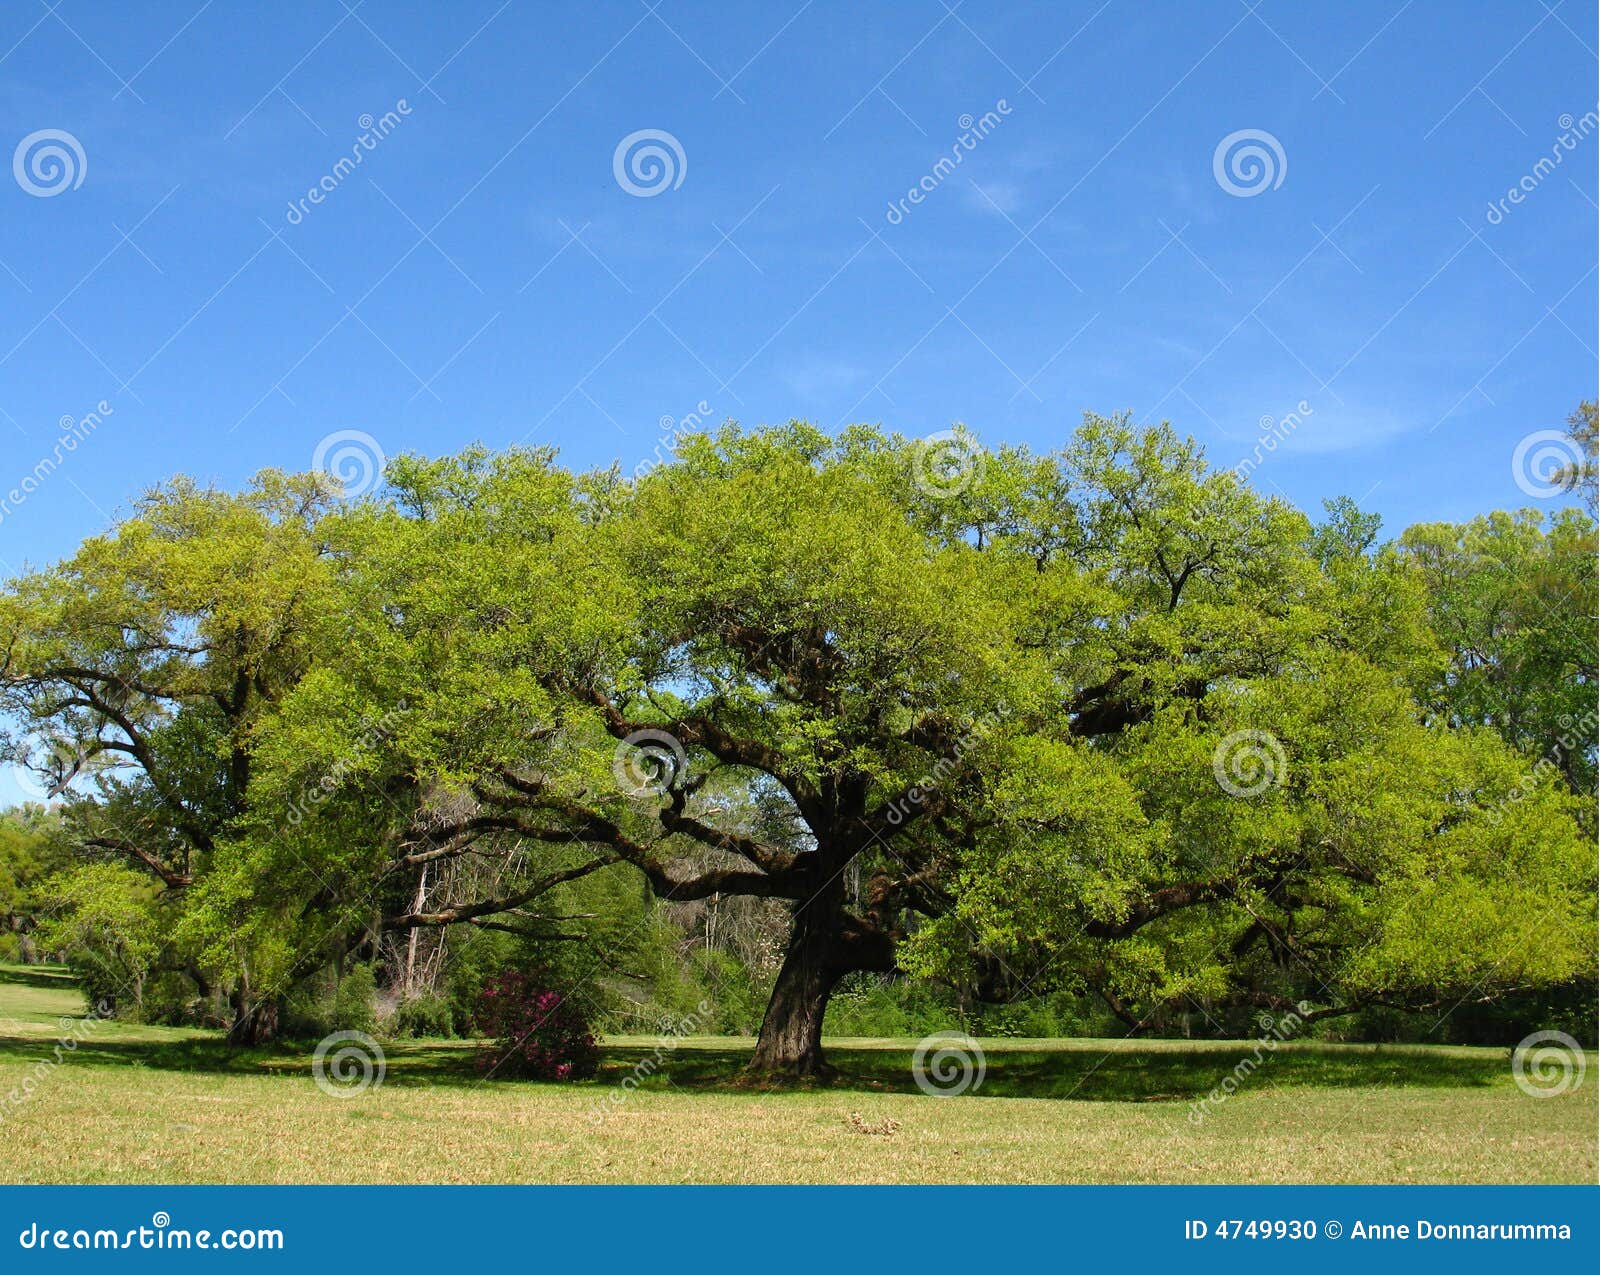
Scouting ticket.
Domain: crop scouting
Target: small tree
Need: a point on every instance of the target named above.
(102, 923)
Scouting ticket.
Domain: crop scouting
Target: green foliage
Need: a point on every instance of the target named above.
(873, 1006)
(32, 849)
(330, 1002)
(102, 923)
(1583, 475)
(354, 1007)
(171, 997)
(1021, 708)
(475, 958)
(421, 1016)
(147, 661)
(1512, 598)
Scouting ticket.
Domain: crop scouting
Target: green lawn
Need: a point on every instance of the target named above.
(152, 1104)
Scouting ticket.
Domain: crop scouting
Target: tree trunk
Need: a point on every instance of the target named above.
(254, 1022)
(409, 982)
(827, 942)
(254, 1025)
(790, 1043)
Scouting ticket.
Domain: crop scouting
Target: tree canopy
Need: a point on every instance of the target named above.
(1101, 719)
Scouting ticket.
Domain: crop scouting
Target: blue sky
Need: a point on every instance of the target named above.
(484, 275)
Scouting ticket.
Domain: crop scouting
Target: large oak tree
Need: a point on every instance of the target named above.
(1101, 719)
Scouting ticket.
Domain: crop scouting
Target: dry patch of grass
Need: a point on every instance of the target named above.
(140, 1104)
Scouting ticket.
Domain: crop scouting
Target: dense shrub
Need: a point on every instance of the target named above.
(738, 996)
(1051, 1015)
(874, 1005)
(1567, 1007)
(354, 1001)
(866, 1004)
(327, 1002)
(422, 1015)
(535, 1030)
(678, 985)
(475, 958)
(172, 998)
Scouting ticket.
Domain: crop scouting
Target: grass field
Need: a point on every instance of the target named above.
(152, 1104)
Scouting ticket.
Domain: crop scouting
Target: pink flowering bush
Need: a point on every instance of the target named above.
(535, 1032)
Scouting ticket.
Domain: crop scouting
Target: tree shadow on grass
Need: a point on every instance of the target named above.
(411, 1063)
(1087, 1071)
(55, 977)
(1079, 1070)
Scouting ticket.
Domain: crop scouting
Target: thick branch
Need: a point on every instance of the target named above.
(1163, 902)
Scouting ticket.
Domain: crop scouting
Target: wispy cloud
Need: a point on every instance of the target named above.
(997, 198)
